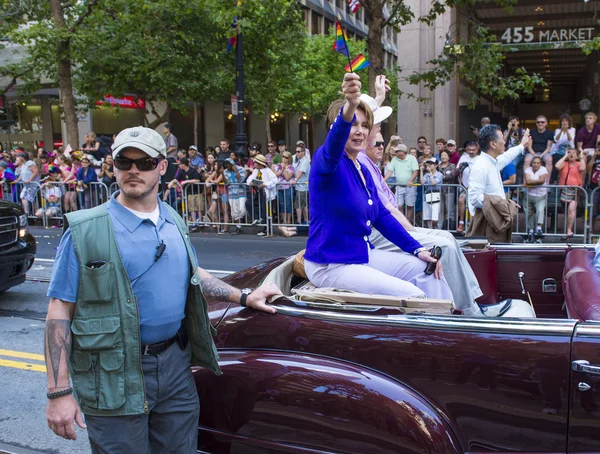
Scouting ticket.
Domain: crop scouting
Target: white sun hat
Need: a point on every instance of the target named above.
(380, 113)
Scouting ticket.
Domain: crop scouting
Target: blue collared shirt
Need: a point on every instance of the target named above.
(160, 287)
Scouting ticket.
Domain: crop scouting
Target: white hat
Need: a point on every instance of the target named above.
(380, 113)
(451, 142)
(145, 139)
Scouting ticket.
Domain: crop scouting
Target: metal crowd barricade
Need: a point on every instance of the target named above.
(33, 205)
(174, 197)
(52, 209)
(226, 206)
(95, 195)
(556, 216)
(291, 206)
(114, 187)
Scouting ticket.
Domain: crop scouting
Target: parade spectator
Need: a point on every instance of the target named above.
(223, 151)
(236, 158)
(27, 178)
(68, 178)
(431, 179)
(272, 154)
(170, 141)
(187, 175)
(87, 192)
(196, 159)
(509, 177)
(451, 149)
(285, 172)
(215, 183)
(540, 144)
(405, 169)
(43, 167)
(306, 150)
(588, 137)
(448, 193)
(386, 161)
(413, 152)
(513, 134)
(281, 147)
(38, 157)
(7, 157)
(535, 178)
(464, 172)
(593, 170)
(300, 181)
(564, 137)
(427, 154)
(421, 142)
(571, 167)
(7, 180)
(92, 147)
(51, 193)
(255, 149)
(181, 153)
(236, 193)
(440, 145)
(263, 188)
(107, 172)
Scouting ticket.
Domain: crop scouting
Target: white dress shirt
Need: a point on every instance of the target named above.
(485, 178)
(269, 179)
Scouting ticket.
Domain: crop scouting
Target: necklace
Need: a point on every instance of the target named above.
(357, 165)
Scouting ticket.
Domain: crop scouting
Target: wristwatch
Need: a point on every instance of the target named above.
(245, 293)
(417, 251)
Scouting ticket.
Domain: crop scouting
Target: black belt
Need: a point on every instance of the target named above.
(159, 347)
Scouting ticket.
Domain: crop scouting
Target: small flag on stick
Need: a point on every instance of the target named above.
(340, 40)
(354, 5)
(232, 42)
(359, 62)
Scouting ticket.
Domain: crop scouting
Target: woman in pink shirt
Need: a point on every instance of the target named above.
(571, 167)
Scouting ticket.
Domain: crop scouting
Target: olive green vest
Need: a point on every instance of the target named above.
(106, 365)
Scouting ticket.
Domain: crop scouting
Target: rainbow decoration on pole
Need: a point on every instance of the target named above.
(359, 62)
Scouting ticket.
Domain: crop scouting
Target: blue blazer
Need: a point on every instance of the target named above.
(342, 210)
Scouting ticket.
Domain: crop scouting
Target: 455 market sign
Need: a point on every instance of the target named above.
(526, 35)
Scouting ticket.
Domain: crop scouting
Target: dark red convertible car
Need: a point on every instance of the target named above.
(326, 376)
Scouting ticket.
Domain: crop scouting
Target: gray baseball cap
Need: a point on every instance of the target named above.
(144, 139)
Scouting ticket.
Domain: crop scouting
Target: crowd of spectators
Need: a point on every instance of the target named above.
(221, 189)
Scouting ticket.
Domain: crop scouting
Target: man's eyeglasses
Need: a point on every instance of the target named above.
(379, 144)
(421, 141)
(270, 146)
(542, 122)
(142, 164)
(450, 145)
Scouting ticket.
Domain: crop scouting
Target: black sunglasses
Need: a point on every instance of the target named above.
(142, 164)
(379, 144)
(421, 141)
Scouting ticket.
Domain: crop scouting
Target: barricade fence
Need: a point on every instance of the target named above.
(558, 210)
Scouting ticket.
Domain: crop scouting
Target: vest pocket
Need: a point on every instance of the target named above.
(101, 333)
(99, 378)
(98, 284)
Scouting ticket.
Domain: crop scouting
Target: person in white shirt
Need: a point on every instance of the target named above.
(464, 168)
(535, 177)
(263, 187)
(597, 256)
(485, 178)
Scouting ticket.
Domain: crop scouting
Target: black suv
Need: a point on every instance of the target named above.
(17, 245)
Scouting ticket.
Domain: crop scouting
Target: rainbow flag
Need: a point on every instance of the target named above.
(340, 44)
(232, 42)
(359, 62)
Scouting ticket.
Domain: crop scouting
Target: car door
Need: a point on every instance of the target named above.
(584, 415)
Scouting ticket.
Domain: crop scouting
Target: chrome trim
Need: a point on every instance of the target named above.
(551, 327)
(588, 329)
(7, 221)
(537, 246)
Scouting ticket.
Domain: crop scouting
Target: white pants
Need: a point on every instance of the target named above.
(458, 272)
(431, 211)
(387, 273)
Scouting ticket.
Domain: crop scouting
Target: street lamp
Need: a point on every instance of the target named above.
(241, 139)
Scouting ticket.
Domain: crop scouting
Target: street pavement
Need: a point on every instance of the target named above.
(23, 427)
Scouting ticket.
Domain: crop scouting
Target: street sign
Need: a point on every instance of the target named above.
(234, 105)
(516, 35)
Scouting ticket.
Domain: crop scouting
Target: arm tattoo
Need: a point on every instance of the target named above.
(58, 343)
(217, 289)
